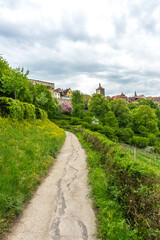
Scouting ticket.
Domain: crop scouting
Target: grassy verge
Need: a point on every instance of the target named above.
(111, 222)
(132, 186)
(26, 153)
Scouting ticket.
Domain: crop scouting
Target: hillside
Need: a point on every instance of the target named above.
(26, 153)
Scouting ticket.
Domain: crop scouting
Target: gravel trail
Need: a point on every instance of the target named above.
(60, 209)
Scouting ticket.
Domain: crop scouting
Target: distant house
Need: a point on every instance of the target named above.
(58, 93)
(156, 100)
(122, 96)
(67, 93)
(100, 90)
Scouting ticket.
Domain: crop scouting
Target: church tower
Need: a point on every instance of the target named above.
(100, 90)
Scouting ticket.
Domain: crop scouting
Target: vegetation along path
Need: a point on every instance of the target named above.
(61, 209)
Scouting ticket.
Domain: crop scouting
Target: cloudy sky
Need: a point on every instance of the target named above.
(81, 43)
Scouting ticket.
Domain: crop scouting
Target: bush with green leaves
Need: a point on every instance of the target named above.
(20, 110)
(107, 131)
(145, 120)
(29, 111)
(40, 113)
(124, 134)
(12, 108)
(75, 121)
(140, 142)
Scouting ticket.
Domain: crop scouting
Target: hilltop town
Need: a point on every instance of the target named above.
(66, 94)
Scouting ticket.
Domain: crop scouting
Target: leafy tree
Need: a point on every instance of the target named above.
(145, 120)
(149, 102)
(110, 119)
(122, 112)
(27, 93)
(44, 100)
(132, 105)
(13, 80)
(77, 104)
(98, 105)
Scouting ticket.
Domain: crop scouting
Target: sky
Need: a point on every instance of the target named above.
(78, 44)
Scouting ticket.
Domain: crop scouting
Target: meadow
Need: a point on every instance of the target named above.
(27, 151)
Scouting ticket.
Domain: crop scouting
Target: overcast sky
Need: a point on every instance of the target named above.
(81, 43)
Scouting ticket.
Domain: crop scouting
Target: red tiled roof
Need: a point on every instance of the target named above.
(58, 90)
(99, 87)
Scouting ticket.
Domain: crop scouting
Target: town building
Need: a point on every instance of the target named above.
(100, 90)
(67, 93)
(58, 93)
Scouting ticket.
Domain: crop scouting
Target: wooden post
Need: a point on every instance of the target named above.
(134, 153)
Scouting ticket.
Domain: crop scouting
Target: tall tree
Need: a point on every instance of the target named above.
(13, 80)
(122, 112)
(145, 120)
(44, 100)
(77, 104)
(98, 105)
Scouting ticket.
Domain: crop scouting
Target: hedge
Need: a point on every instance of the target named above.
(20, 110)
(130, 182)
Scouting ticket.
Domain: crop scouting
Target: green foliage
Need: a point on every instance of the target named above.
(75, 121)
(20, 110)
(149, 102)
(140, 142)
(44, 100)
(130, 183)
(145, 117)
(122, 112)
(111, 223)
(13, 80)
(12, 108)
(77, 104)
(132, 106)
(29, 111)
(107, 131)
(98, 105)
(41, 114)
(26, 153)
(124, 134)
(110, 119)
(27, 94)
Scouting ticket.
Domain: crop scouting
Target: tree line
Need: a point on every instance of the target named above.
(136, 123)
(14, 83)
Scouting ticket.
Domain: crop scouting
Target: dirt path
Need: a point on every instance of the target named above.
(60, 209)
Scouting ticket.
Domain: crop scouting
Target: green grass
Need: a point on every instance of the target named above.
(111, 222)
(152, 160)
(26, 153)
(130, 187)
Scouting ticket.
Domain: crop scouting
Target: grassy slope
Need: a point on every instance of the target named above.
(26, 153)
(111, 222)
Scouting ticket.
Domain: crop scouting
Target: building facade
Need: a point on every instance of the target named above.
(100, 90)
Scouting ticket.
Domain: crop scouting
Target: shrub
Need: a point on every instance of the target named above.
(75, 121)
(125, 134)
(152, 139)
(41, 114)
(107, 131)
(29, 111)
(12, 108)
(141, 142)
